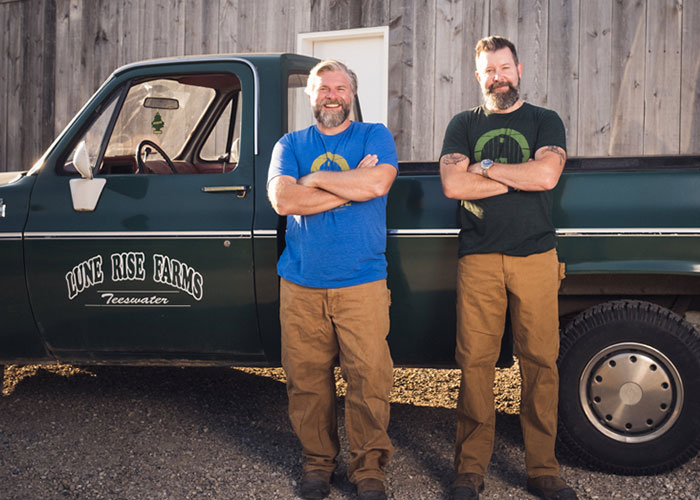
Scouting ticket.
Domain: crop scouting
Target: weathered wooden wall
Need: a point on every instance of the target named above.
(623, 74)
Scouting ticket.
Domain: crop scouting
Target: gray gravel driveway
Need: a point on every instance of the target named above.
(218, 433)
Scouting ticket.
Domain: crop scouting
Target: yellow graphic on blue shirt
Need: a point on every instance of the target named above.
(327, 161)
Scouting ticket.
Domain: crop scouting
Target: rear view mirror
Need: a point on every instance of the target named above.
(161, 103)
(81, 161)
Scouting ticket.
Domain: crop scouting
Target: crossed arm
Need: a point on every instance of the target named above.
(324, 190)
(463, 181)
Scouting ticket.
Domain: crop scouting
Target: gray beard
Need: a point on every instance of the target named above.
(501, 100)
(331, 119)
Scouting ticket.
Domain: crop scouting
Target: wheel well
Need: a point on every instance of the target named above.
(678, 293)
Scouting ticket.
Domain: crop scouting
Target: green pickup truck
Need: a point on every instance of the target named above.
(144, 236)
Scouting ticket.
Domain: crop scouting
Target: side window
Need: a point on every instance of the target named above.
(93, 138)
(299, 112)
(175, 124)
(224, 141)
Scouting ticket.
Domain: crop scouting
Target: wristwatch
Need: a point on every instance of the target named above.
(485, 166)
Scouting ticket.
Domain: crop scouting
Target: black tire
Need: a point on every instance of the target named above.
(629, 384)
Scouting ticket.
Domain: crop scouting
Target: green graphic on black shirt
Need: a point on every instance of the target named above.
(502, 145)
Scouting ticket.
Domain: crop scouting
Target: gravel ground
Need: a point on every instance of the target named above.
(214, 433)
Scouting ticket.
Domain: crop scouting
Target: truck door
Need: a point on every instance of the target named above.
(152, 258)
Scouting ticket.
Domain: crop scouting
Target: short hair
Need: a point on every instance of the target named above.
(494, 43)
(330, 65)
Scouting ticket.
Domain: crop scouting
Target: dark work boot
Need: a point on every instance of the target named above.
(371, 489)
(467, 487)
(550, 488)
(315, 485)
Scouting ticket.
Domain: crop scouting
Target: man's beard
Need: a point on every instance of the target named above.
(501, 100)
(331, 119)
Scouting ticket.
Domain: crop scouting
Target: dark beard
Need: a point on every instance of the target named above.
(501, 100)
(331, 119)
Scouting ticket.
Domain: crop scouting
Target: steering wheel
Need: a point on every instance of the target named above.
(139, 161)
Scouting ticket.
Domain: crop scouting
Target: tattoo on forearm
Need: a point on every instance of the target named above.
(558, 151)
(453, 158)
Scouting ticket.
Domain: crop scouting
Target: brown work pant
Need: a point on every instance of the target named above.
(320, 326)
(487, 284)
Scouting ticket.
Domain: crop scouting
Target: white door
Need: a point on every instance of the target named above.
(366, 52)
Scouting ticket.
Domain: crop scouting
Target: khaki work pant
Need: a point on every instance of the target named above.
(319, 327)
(487, 284)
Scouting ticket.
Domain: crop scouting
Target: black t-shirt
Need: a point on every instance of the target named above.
(517, 223)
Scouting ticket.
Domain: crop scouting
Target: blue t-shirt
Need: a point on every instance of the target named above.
(344, 246)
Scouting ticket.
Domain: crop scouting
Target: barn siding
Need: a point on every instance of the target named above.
(623, 74)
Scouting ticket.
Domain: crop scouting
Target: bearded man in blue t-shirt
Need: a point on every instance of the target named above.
(331, 180)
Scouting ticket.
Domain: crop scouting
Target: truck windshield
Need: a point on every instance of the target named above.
(179, 124)
(169, 128)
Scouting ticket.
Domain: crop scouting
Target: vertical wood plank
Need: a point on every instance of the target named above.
(424, 145)
(476, 19)
(663, 78)
(32, 122)
(46, 80)
(627, 77)
(128, 31)
(5, 20)
(400, 76)
(595, 70)
(200, 16)
(458, 28)
(277, 20)
(374, 13)
(170, 23)
(503, 19)
(331, 15)
(161, 29)
(106, 40)
(246, 26)
(690, 80)
(533, 37)
(228, 26)
(450, 53)
(68, 43)
(87, 32)
(301, 22)
(563, 66)
(17, 59)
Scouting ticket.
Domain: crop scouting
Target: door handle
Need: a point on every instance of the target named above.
(2, 208)
(241, 191)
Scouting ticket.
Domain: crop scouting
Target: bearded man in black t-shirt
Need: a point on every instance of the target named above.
(502, 160)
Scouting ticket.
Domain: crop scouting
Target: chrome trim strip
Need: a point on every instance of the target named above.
(564, 232)
(272, 233)
(10, 236)
(423, 233)
(265, 233)
(73, 235)
(629, 231)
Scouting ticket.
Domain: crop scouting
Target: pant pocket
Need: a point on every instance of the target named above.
(562, 271)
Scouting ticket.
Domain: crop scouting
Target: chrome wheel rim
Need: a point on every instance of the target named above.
(631, 392)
